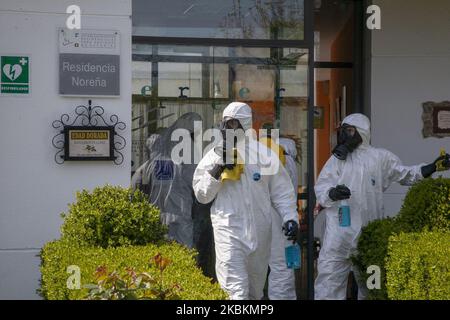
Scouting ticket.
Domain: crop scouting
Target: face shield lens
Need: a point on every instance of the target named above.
(232, 124)
(347, 130)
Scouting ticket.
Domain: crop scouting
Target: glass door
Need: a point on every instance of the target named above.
(181, 79)
(171, 80)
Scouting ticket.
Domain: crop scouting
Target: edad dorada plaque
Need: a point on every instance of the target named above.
(89, 143)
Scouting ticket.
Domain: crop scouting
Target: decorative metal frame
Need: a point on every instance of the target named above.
(430, 119)
(88, 117)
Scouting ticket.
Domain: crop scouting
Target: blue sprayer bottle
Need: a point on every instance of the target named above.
(344, 214)
(292, 253)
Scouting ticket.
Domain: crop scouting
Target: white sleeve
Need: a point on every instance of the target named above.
(136, 179)
(282, 195)
(206, 186)
(395, 171)
(328, 178)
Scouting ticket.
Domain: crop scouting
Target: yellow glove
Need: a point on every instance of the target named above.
(235, 173)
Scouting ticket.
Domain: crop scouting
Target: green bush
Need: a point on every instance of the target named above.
(112, 216)
(182, 271)
(372, 250)
(418, 266)
(426, 207)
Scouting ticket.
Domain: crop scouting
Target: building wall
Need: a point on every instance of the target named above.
(34, 190)
(410, 64)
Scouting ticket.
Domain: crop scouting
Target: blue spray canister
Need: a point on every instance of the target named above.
(292, 254)
(344, 214)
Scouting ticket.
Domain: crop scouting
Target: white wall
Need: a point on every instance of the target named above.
(410, 65)
(34, 190)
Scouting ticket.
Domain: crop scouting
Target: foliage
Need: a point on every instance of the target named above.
(181, 279)
(131, 285)
(112, 216)
(426, 207)
(418, 266)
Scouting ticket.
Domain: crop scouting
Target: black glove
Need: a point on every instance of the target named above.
(216, 171)
(226, 148)
(341, 192)
(429, 169)
(291, 230)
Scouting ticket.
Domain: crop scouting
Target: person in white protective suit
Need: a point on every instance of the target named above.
(170, 183)
(140, 179)
(241, 208)
(281, 278)
(359, 173)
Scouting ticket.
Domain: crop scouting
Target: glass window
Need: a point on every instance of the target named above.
(179, 79)
(141, 75)
(231, 19)
(273, 81)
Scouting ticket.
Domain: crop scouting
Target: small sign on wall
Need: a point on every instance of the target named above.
(436, 119)
(15, 74)
(89, 143)
(89, 62)
(89, 74)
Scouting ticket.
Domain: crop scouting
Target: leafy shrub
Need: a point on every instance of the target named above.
(426, 207)
(182, 271)
(112, 216)
(418, 266)
(372, 250)
(132, 285)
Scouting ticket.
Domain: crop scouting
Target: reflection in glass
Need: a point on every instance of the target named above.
(231, 19)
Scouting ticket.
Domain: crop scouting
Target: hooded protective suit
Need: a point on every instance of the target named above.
(140, 179)
(241, 211)
(367, 172)
(281, 278)
(170, 183)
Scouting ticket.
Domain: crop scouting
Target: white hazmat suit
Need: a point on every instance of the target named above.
(140, 179)
(241, 212)
(170, 183)
(367, 172)
(281, 278)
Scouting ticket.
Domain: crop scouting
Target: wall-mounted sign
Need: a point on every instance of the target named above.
(15, 75)
(89, 62)
(89, 74)
(89, 143)
(436, 119)
(89, 135)
(89, 41)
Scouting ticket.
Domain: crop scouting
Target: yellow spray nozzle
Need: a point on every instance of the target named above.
(440, 164)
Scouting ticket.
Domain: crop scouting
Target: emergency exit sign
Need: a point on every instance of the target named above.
(15, 75)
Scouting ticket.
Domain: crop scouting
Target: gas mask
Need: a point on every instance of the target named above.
(348, 140)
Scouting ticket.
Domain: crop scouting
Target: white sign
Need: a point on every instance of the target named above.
(89, 62)
(89, 41)
(89, 143)
(443, 120)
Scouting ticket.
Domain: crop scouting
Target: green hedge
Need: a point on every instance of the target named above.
(58, 255)
(372, 250)
(426, 207)
(112, 216)
(418, 266)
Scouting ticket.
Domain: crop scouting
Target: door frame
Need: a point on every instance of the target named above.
(306, 43)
